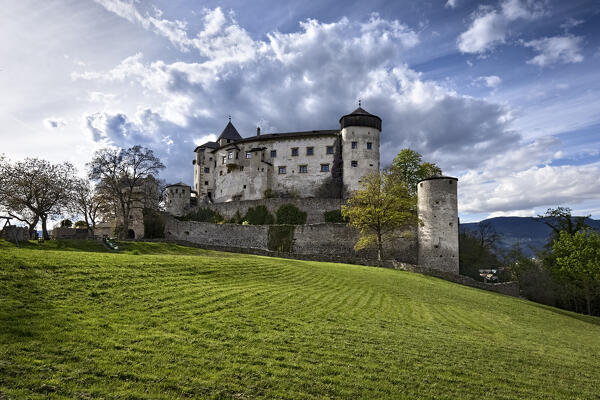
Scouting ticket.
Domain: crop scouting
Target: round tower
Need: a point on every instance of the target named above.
(177, 199)
(360, 146)
(438, 230)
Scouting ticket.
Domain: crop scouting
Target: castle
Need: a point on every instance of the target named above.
(315, 170)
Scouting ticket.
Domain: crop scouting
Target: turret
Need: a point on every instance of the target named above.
(177, 199)
(360, 146)
(438, 231)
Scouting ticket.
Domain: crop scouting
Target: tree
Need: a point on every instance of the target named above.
(88, 202)
(559, 219)
(121, 175)
(577, 258)
(34, 190)
(66, 223)
(408, 167)
(381, 207)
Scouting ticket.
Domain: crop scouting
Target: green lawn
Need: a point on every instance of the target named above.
(172, 322)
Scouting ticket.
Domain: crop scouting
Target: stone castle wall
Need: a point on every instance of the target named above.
(314, 208)
(336, 240)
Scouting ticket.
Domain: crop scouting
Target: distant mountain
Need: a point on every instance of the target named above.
(531, 233)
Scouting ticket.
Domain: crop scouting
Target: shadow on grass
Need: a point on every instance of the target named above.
(581, 317)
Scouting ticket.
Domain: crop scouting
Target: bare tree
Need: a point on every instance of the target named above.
(34, 190)
(88, 202)
(120, 174)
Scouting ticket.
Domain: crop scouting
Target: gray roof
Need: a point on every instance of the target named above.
(210, 145)
(178, 184)
(360, 117)
(284, 135)
(230, 133)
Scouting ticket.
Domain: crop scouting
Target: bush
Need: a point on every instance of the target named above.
(81, 225)
(289, 214)
(259, 215)
(236, 219)
(203, 215)
(66, 223)
(334, 216)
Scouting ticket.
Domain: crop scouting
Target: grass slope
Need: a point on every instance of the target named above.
(94, 324)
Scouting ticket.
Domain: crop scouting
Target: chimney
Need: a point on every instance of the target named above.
(258, 131)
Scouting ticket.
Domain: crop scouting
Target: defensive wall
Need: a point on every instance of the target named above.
(314, 208)
(325, 239)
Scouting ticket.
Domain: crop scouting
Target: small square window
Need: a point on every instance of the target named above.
(241, 167)
(221, 173)
(310, 151)
(205, 183)
(329, 149)
(294, 151)
(303, 169)
(354, 145)
(324, 167)
(244, 186)
(273, 153)
(281, 170)
(209, 158)
(354, 163)
(369, 145)
(206, 170)
(248, 154)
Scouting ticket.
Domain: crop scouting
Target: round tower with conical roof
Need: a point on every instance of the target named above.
(360, 132)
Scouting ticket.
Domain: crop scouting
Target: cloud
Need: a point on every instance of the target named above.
(491, 81)
(489, 27)
(450, 4)
(54, 123)
(571, 23)
(557, 49)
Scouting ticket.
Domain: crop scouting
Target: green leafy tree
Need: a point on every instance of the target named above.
(408, 167)
(577, 258)
(289, 214)
(81, 224)
(259, 215)
(66, 223)
(559, 219)
(381, 207)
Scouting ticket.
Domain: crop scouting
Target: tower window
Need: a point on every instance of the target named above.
(273, 153)
(354, 163)
(369, 145)
(324, 167)
(241, 167)
(310, 151)
(303, 169)
(224, 159)
(329, 149)
(294, 151)
(248, 154)
(206, 170)
(205, 183)
(354, 145)
(281, 170)
(221, 173)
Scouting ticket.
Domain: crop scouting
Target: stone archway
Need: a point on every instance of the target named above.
(130, 234)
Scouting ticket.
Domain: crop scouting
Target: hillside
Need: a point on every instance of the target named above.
(149, 323)
(529, 233)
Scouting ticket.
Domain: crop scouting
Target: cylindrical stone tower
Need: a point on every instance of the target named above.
(360, 146)
(438, 230)
(177, 199)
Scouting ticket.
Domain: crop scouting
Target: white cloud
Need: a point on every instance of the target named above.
(489, 27)
(492, 81)
(571, 23)
(54, 123)
(450, 4)
(557, 49)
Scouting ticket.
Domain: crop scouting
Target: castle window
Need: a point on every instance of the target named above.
(248, 154)
(241, 167)
(294, 151)
(303, 169)
(244, 186)
(310, 151)
(224, 159)
(324, 167)
(354, 145)
(369, 145)
(221, 173)
(329, 149)
(230, 155)
(354, 163)
(205, 183)
(281, 170)
(273, 153)
(176, 190)
(209, 158)
(206, 170)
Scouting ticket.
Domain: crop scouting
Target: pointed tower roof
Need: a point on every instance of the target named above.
(230, 133)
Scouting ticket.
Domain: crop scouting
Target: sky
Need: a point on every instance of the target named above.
(504, 95)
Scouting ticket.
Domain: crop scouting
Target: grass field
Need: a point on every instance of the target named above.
(162, 321)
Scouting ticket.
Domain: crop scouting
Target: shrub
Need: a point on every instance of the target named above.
(334, 216)
(289, 214)
(236, 218)
(80, 225)
(203, 215)
(66, 223)
(259, 215)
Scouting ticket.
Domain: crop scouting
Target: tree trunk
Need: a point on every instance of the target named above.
(44, 227)
(32, 232)
(379, 247)
(588, 299)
